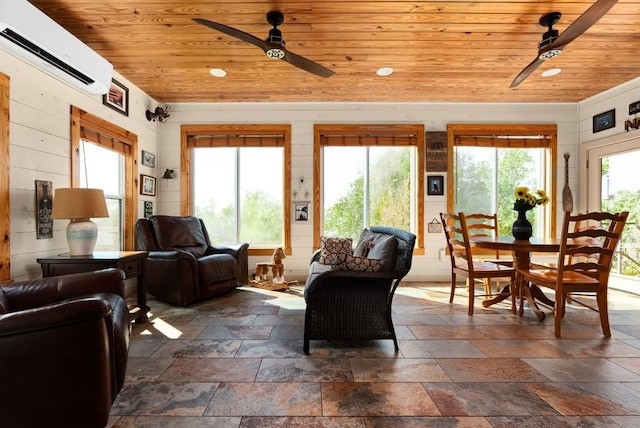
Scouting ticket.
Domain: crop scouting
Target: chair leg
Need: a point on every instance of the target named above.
(453, 287)
(514, 294)
(472, 283)
(487, 286)
(558, 310)
(603, 308)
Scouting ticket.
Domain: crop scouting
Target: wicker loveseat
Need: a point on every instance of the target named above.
(356, 304)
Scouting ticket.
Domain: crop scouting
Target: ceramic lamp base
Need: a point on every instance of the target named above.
(81, 237)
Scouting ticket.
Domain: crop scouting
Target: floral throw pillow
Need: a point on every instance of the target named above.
(361, 264)
(333, 251)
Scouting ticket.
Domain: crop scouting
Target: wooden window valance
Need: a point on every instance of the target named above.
(523, 141)
(236, 140)
(105, 141)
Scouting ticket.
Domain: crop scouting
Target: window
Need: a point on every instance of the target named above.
(240, 183)
(369, 175)
(487, 164)
(105, 157)
(102, 168)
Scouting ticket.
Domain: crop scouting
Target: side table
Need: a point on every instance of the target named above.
(131, 262)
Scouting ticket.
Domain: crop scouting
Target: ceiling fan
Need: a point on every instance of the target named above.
(552, 44)
(273, 46)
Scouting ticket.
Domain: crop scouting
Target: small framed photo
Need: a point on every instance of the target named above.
(435, 185)
(604, 121)
(301, 211)
(148, 159)
(117, 98)
(147, 185)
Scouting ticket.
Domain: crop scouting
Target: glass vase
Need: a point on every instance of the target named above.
(521, 229)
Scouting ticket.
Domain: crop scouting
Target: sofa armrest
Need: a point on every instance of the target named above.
(241, 254)
(45, 291)
(54, 316)
(234, 249)
(315, 256)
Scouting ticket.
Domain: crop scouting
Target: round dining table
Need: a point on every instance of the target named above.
(521, 251)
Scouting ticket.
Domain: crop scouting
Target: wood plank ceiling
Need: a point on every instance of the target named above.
(441, 51)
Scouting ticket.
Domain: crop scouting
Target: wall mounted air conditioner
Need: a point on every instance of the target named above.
(28, 33)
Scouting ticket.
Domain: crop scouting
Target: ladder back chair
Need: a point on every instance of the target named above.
(584, 263)
(462, 263)
(479, 224)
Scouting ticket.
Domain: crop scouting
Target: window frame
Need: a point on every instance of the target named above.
(120, 140)
(508, 136)
(367, 130)
(5, 211)
(186, 152)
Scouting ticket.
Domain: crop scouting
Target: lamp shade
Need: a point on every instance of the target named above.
(76, 203)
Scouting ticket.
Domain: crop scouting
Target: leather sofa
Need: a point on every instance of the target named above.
(64, 344)
(183, 266)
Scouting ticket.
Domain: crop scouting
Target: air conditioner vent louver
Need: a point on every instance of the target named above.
(16, 38)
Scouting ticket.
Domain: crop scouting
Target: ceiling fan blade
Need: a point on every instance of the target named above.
(307, 65)
(582, 24)
(526, 72)
(246, 37)
(290, 57)
(573, 31)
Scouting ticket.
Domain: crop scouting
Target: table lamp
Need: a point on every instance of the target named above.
(80, 205)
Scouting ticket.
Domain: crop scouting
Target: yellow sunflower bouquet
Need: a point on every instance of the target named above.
(525, 200)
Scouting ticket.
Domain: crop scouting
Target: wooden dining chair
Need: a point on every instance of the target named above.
(584, 262)
(479, 224)
(462, 263)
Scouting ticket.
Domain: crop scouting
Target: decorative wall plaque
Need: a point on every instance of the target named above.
(436, 148)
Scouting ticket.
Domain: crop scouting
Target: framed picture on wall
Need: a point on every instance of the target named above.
(604, 121)
(147, 185)
(117, 98)
(301, 211)
(435, 184)
(148, 159)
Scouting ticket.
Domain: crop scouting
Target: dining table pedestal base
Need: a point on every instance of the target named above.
(521, 251)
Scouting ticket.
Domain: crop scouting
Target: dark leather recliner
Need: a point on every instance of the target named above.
(183, 267)
(64, 343)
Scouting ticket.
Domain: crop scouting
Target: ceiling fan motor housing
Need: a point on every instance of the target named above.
(548, 38)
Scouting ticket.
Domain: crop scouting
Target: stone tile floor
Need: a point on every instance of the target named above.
(237, 361)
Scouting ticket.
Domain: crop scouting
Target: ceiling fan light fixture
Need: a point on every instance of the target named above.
(550, 54)
(384, 71)
(551, 72)
(217, 72)
(275, 53)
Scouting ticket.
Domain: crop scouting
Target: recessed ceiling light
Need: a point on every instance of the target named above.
(384, 71)
(551, 72)
(217, 72)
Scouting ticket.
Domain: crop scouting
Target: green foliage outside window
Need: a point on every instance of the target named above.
(389, 193)
(479, 170)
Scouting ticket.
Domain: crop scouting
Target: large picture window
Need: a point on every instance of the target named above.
(239, 183)
(487, 164)
(369, 176)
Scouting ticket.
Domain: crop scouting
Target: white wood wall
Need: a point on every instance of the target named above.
(39, 150)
